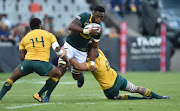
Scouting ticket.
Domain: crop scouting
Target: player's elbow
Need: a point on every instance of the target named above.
(71, 26)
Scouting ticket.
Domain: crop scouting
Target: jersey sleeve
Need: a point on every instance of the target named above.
(81, 17)
(21, 45)
(53, 38)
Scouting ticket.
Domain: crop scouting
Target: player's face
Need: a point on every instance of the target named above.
(97, 17)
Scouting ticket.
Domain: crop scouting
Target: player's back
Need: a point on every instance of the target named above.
(37, 43)
(105, 75)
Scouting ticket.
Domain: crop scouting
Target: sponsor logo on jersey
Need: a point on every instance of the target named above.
(85, 36)
(78, 17)
(21, 67)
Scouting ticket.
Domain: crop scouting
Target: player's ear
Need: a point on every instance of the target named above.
(40, 26)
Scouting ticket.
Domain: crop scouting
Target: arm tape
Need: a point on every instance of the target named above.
(92, 63)
(54, 45)
(96, 40)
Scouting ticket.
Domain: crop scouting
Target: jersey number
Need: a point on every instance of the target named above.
(42, 40)
(107, 65)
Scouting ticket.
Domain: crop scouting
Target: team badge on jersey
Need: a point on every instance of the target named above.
(78, 17)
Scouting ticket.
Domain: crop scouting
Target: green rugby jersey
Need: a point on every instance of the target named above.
(79, 40)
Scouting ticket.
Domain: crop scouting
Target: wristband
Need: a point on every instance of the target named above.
(60, 52)
(68, 56)
(92, 63)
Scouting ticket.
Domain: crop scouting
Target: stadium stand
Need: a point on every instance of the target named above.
(62, 11)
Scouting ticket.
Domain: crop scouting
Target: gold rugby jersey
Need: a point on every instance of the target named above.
(105, 75)
(37, 43)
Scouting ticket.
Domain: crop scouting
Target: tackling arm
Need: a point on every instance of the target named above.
(77, 65)
(93, 51)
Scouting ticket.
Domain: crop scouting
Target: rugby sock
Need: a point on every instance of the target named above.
(149, 93)
(6, 87)
(127, 97)
(49, 83)
(54, 82)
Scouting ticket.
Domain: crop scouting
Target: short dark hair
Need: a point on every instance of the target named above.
(99, 9)
(35, 23)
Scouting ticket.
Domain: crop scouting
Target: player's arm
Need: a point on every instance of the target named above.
(56, 47)
(22, 53)
(77, 65)
(22, 50)
(75, 26)
(92, 54)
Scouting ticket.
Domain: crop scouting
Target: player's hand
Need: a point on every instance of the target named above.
(63, 53)
(87, 31)
(94, 31)
(93, 68)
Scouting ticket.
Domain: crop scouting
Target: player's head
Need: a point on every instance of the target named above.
(35, 23)
(98, 14)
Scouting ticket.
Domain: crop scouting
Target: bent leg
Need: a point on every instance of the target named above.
(55, 74)
(9, 82)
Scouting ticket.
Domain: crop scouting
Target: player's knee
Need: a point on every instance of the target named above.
(132, 88)
(77, 76)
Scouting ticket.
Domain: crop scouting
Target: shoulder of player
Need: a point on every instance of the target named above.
(86, 13)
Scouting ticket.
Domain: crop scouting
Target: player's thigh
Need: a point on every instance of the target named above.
(80, 56)
(55, 72)
(42, 68)
(68, 48)
(16, 75)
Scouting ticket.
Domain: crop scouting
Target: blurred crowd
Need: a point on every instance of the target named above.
(13, 33)
(123, 6)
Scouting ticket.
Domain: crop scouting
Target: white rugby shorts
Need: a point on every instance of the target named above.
(78, 55)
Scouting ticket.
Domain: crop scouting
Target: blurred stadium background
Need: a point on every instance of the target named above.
(143, 53)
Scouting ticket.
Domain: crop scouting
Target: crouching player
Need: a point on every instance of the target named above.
(110, 81)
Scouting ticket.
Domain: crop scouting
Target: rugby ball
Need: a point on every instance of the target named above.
(95, 26)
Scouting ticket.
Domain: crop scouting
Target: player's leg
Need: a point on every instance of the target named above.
(79, 76)
(143, 91)
(9, 82)
(47, 69)
(81, 58)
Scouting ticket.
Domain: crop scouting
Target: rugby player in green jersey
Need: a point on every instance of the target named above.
(110, 81)
(34, 52)
(77, 42)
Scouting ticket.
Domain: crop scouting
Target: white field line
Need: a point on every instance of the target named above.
(27, 105)
(31, 105)
(41, 82)
(84, 103)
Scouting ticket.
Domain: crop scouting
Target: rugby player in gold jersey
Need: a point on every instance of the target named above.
(110, 81)
(34, 52)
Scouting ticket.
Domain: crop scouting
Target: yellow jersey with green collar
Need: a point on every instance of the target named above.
(37, 43)
(104, 74)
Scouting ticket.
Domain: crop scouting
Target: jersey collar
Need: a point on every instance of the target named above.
(90, 20)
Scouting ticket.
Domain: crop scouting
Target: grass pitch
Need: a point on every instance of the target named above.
(68, 97)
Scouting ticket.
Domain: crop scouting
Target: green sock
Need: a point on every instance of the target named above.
(51, 88)
(149, 93)
(134, 98)
(6, 87)
(127, 97)
(154, 95)
(51, 82)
